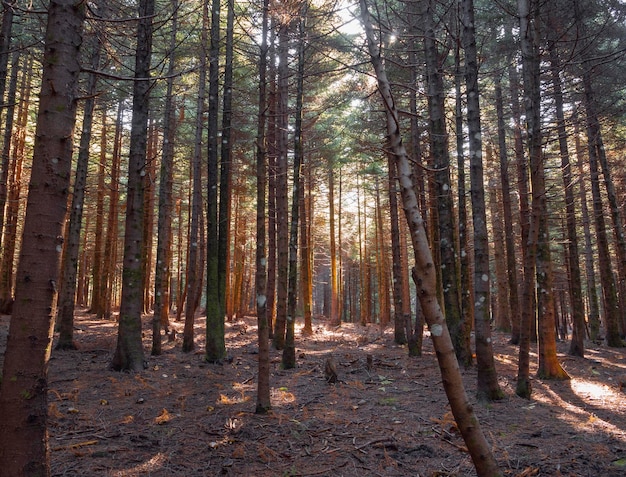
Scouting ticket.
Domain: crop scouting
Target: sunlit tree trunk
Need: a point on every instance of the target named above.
(8, 133)
(129, 350)
(23, 393)
(467, 422)
(67, 295)
(8, 227)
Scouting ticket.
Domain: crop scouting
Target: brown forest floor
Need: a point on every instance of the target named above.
(184, 417)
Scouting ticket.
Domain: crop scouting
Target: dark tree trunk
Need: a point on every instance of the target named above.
(263, 403)
(447, 229)
(487, 386)
(215, 344)
(129, 350)
(23, 395)
(164, 219)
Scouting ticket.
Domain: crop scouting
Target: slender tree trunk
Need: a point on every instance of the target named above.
(149, 181)
(99, 280)
(164, 218)
(509, 231)
(67, 295)
(23, 394)
(8, 133)
(215, 344)
(306, 272)
(447, 228)
(289, 352)
(577, 345)
(193, 269)
(467, 422)
(335, 318)
(111, 246)
(7, 189)
(487, 387)
(263, 403)
(397, 272)
(590, 273)
(466, 285)
(129, 350)
(282, 202)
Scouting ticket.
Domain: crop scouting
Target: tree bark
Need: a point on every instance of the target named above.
(263, 403)
(215, 344)
(164, 218)
(487, 386)
(129, 350)
(467, 422)
(23, 393)
(447, 227)
(67, 295)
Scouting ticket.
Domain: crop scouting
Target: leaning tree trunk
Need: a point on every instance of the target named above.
(23, 395)
(129, 350)
(467, 422)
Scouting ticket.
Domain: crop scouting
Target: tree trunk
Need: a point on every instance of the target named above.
(263, 403)
(466, 285)
(447, 229)
(23, 395)
(10, 186)
(67, 295)
(509, 231)
(467, 422)
(334, 318)
(282, 202)
(164, 219)
(487, 386)
(215, 344)
(99, 279)
(577, 345)
(8, 133)
(129, 350)
(289, 352)
(225, 163)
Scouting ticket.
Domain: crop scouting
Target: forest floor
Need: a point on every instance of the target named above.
(185, 417)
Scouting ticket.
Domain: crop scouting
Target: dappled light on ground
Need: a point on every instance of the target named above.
(387, 415)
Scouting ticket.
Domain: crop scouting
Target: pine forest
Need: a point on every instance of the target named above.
(313, 238)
